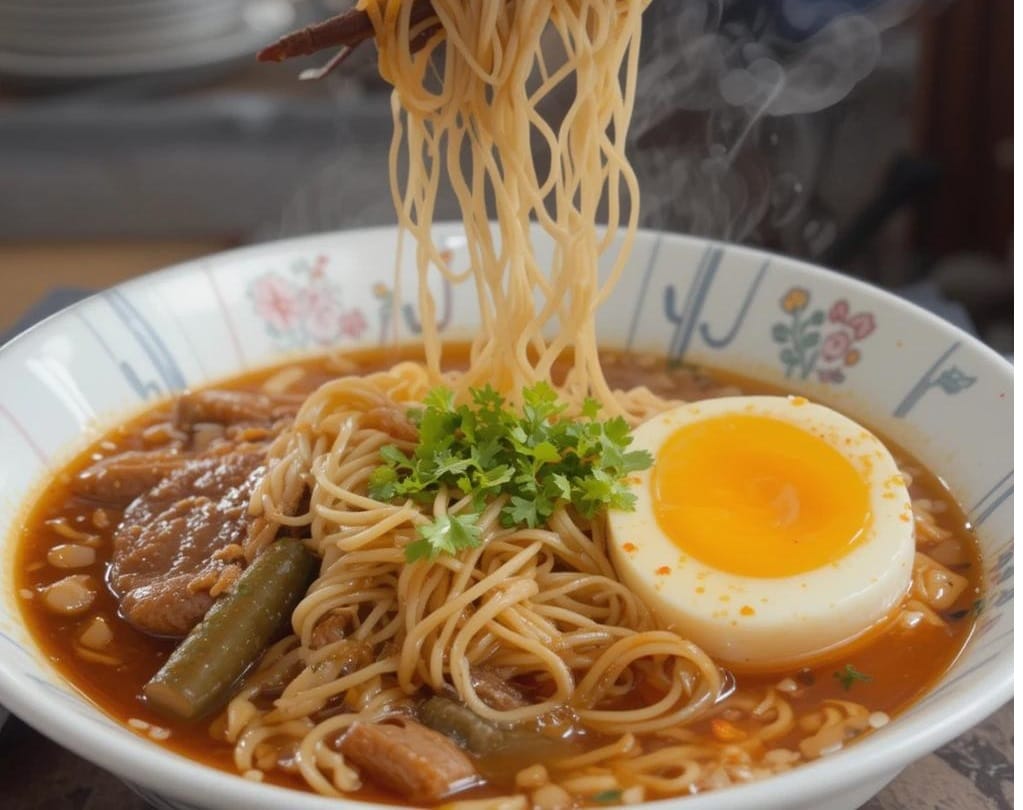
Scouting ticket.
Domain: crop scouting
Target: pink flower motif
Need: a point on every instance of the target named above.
(835, 346)
(318, 267)
(353, 323)
(276, 301)
(862, 324)
(322, 314)
(839, 311)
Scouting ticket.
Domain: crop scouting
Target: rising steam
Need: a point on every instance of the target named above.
(724, 139)
(735, 107)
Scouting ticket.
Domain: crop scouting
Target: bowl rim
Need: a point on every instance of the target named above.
(642, 234)
(165, 771)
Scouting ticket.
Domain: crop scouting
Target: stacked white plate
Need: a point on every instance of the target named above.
(96, 39)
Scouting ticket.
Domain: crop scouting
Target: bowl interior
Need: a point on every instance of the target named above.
(939, 393)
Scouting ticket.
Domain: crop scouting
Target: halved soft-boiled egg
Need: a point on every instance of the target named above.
(771, 531)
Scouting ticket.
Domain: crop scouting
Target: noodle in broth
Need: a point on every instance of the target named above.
(766, 725)
(475, 121)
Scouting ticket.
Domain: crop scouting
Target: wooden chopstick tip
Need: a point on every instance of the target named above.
(276, 52)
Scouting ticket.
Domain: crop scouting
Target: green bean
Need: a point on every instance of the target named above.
(463, 725)
(201, 674)
(479, 736)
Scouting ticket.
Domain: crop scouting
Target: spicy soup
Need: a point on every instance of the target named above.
(68, 536)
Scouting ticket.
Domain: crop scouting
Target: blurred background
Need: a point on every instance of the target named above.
(871, 136)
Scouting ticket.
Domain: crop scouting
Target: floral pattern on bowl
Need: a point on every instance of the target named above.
(303, 306)
(812, 343)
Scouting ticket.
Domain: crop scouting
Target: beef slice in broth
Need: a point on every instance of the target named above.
(118, 480)
(165, 549)
(416, 762)
(234, 408)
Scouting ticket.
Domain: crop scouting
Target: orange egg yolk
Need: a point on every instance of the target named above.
(757, 496)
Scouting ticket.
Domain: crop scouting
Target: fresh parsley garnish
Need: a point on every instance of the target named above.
(849, 675)
(607, 796)
(447, 534)
(484, 449)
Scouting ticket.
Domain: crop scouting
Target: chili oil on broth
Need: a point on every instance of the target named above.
(901, 666)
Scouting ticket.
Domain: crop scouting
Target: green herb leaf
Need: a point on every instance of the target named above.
(393, 456)
(382, 483)
(849, 675)
(560, 487)
(537, 459)
(448, 534)
(521, 510)
(607, 796)
(418, 550)
(590, 408)
(636, 460)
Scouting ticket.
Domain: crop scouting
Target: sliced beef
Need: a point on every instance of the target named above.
(231, 408)
(414, 761)
(495, 691)
(332, 628)
(165, 549)
(221, 407)
(391, 421)
(213, 421)
(120, 479)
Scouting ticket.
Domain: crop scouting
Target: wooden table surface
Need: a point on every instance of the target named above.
(973, 772)
(28, 271)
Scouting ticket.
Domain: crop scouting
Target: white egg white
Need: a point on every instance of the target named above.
(771, 623)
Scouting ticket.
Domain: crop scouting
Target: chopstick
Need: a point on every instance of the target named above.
(347, 30)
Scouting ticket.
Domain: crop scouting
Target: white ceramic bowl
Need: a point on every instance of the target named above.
(939, 392)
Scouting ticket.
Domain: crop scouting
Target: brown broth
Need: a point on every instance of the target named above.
(902, 667)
